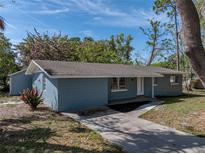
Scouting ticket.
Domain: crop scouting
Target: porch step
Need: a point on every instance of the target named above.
(132, 100)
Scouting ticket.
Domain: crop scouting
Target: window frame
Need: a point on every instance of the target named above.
(155, 83)
(175, 81)
(118, 89)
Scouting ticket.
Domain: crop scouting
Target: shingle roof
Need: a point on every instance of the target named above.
(62, 69)
(161, 70)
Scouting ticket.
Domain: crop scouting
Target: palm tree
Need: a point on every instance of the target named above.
(2, 24)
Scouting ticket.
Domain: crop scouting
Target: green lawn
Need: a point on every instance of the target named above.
(46, 131)
(186, 113)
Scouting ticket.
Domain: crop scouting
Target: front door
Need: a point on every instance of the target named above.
(140, 86)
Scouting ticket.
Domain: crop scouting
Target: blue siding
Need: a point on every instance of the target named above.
(19, 82)
(80, 94)
(165, 88)
(50, 95)
(148, 87)
(37, 81)
(131, 85)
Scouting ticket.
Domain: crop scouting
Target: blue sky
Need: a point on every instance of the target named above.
(96, 18)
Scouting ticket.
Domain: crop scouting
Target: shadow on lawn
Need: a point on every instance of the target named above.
(177, 99)
(33, 140)
(19, 135)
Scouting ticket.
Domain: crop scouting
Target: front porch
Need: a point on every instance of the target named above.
(131, 100)
(139, 89)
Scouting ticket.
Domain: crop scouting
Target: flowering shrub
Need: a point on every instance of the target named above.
(31, 97)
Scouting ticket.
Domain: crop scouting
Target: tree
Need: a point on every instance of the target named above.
(121, 45)
(7, 61)
(156, 43)
(170, 62)
(43, 46)
(169, 6)
(63, 48)
(2, 24)
(192, 36)
(200, 6)
(97, 52)
(88, 39)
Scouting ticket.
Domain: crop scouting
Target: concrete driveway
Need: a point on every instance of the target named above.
(134, 134)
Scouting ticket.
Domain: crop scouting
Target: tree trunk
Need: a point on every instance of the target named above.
(177, 38)
(192, 37)
(151, 57)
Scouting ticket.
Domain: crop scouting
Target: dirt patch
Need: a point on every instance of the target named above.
(197, 122)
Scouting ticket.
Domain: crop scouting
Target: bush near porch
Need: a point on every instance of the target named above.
(186, 113)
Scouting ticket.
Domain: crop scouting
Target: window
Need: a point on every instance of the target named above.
(122, 83)
(43, 83)
(173, 79)
(155, 81)
(114, 83)
(118, 84)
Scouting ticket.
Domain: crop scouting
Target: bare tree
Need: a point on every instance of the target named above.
(169, 7)
(192, 37)
(155, 43)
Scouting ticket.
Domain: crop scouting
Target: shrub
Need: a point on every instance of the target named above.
(31, 97)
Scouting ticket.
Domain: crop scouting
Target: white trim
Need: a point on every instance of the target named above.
(17, 72)
(71, 77)
(140, 86)
(118, 85)
(152, 87)
(174, 83)
(174, 78)
(119, 90)
(33, 62)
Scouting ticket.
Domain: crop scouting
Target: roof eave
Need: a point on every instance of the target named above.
(17, 72)
(32, 65)
(72, 77)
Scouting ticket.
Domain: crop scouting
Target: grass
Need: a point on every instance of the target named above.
(4, 97)
(46, 131)
(186, 113)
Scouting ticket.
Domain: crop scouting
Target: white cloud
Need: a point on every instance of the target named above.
(10, 25)
(51, 11)
(108, 15)
(87, 33)
(134, 18)
(97, 7)
(149, 14)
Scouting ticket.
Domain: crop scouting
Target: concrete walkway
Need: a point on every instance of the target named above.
(134, 134)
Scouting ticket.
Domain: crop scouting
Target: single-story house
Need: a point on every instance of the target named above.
(71, 86)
